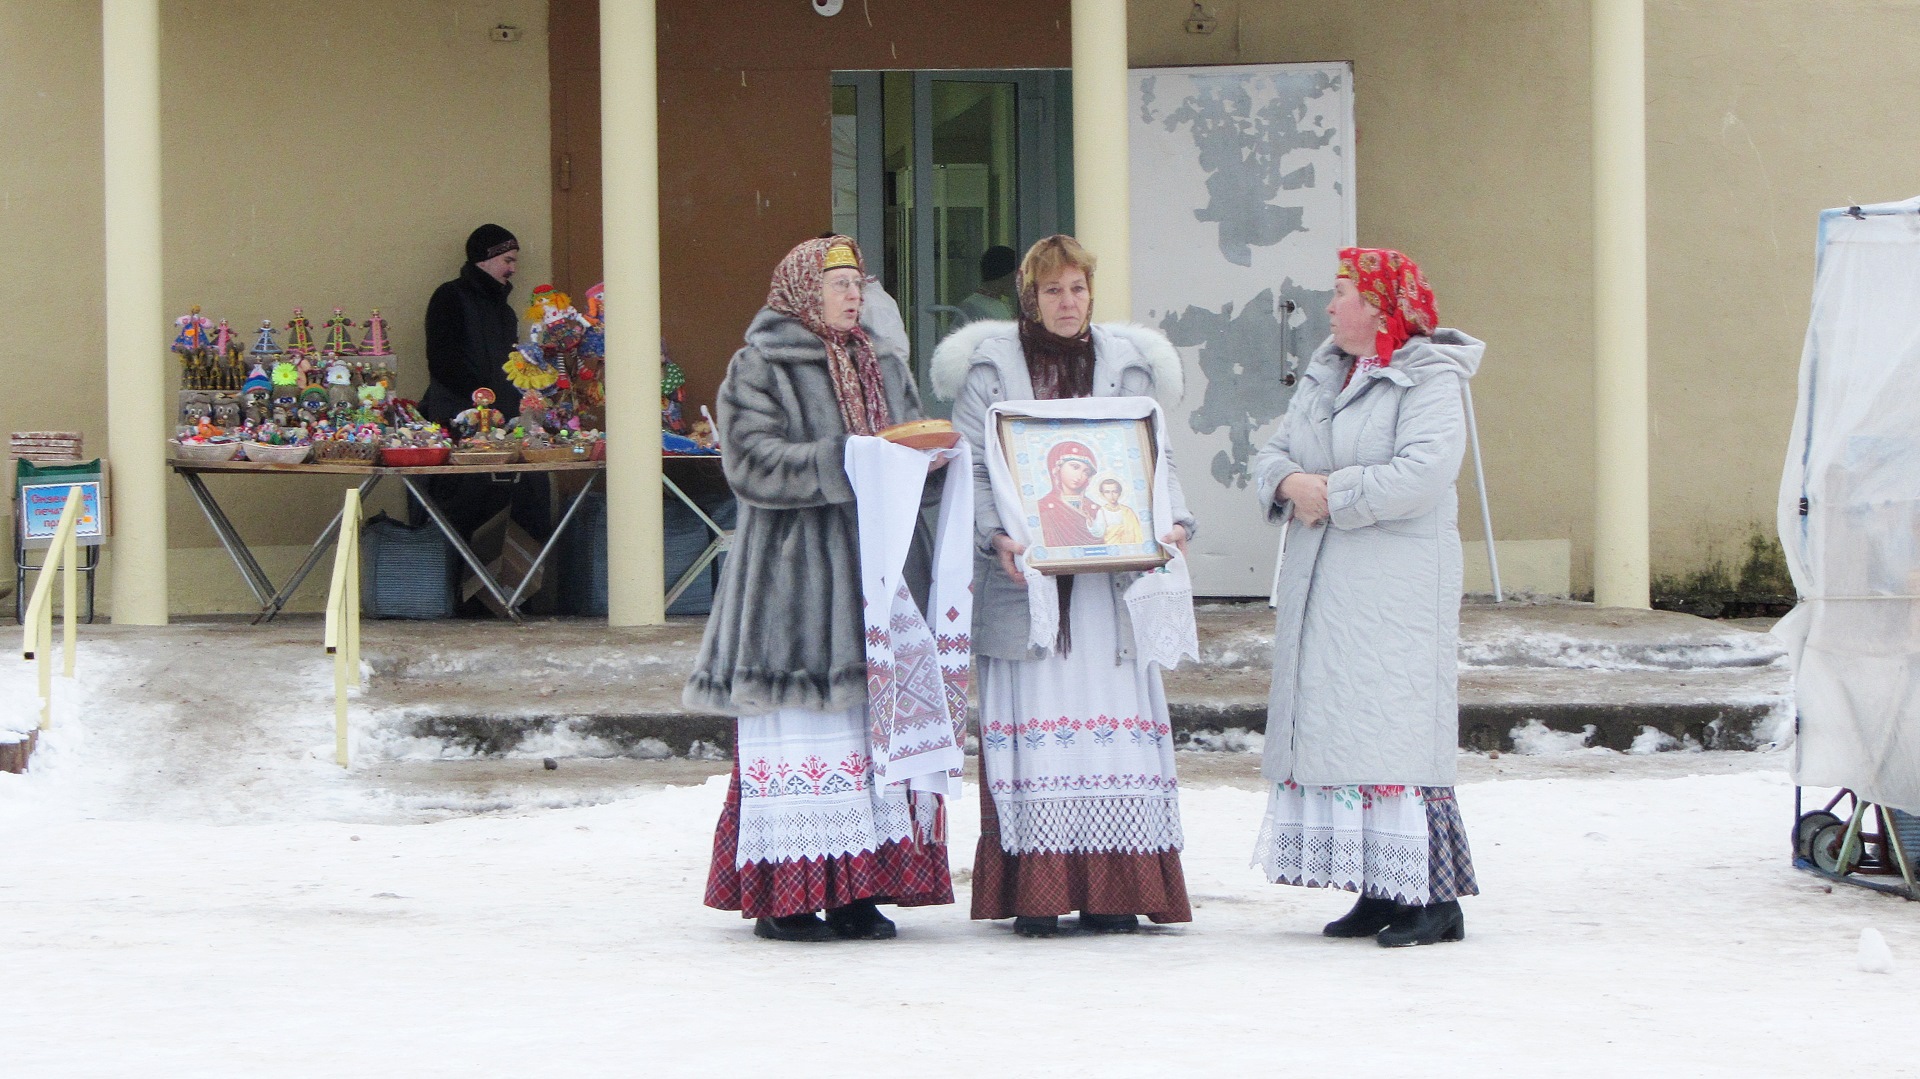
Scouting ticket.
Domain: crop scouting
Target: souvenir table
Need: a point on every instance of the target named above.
(273, 600)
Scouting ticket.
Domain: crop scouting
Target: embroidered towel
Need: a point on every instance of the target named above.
(917, 673)
(1160, 603)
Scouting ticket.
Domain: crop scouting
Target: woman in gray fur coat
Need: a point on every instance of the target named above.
(804, 829)
(1079, 804)
(1362, 724)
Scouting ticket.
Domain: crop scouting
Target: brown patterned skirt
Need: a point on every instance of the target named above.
(1036, 885)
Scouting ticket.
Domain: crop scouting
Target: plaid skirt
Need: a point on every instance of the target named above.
(1401, 843)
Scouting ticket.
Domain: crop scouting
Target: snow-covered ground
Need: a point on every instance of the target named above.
(192, 895)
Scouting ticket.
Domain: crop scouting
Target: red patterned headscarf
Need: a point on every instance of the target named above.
(798, 293)
(1393, 283)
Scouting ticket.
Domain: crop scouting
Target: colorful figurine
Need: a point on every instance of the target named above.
(339, 339)
(299, 335)
(673, 394)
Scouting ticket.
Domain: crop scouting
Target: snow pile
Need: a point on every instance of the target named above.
(1874, 955)
(1535, 739)
(1655, 740)
(1528, 646)
(1231, 740)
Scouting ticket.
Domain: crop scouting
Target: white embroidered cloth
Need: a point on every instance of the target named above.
(1367, 839)
(807, 790)
(1160, 603)
(917, 674)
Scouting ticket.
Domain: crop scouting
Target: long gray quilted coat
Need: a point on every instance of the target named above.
(1366, 638)
(786, 629)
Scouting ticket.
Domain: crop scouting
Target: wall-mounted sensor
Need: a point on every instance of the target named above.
(503, 32)
(828, 8)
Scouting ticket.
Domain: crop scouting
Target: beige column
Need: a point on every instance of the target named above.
(136, 322)
(1620, 545)
(1100, 194)
(630, 178)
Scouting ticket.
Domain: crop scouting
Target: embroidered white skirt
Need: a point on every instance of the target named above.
(1076, 750)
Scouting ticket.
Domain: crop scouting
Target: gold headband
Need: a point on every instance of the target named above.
(841, 256)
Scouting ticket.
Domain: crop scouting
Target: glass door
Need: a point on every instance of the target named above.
(967, 168)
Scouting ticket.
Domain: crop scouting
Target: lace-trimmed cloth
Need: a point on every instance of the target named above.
(1160, 603)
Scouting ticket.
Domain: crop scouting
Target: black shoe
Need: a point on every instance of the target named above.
(1369, 916)
(804, 927)
(861, 920)
(1109, 923)
(1036, 927)
(1431, 924)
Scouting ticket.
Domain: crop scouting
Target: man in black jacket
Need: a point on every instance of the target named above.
(470, 331)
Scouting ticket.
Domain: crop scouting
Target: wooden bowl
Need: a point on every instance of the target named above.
(484, 457)
(922, 434)
(546, 455)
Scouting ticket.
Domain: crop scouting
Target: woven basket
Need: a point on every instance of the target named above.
(483, 457)
(554, 454)
(335, 452)
(203, 452)
(277, 455)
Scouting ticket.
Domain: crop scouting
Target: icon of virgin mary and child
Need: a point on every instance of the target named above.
(1084, 505)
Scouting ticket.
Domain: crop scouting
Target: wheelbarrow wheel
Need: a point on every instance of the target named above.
(1825, 849)
(1804, 829)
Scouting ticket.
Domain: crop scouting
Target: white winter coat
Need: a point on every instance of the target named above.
(1368, 621)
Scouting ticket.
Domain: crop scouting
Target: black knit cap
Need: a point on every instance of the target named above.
(997, 262)
(490, 241)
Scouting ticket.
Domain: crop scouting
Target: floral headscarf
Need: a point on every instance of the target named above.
(797, 292)
(1393, 283)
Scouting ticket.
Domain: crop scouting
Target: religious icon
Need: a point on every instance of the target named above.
(1085, 487)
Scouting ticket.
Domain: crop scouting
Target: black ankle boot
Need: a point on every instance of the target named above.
(861, 920)
(1431, 924)
(1109, 923)
(1369, 916)
(803, 927)
(1045, 926)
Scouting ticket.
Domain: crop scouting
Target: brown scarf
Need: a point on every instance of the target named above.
(1059, 368)
(797, 293)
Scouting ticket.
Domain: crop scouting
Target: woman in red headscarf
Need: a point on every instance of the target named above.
(805, 829)
(1080, 806)
(1362, 723)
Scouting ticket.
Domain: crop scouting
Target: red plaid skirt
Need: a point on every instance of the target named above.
(906, 873)
(1036, 885)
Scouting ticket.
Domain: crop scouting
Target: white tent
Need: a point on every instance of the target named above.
(1849, 513)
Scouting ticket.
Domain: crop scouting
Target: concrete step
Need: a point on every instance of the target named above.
(577, 688)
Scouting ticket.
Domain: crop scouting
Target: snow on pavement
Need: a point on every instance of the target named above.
(253, 911)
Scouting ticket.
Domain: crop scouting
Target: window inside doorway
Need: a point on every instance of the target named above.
(945, 167)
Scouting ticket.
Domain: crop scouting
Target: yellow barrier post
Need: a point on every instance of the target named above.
(37, 631)
(343, 620)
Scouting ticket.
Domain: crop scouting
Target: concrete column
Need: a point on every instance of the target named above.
(630, 178)
(1100, 194)
(137, 406)
(1620, 544)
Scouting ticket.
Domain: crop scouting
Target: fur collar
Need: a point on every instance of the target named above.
(989, 342)
(781, 339)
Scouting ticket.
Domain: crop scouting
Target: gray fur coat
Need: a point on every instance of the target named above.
(786, 628)
(981, 364)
